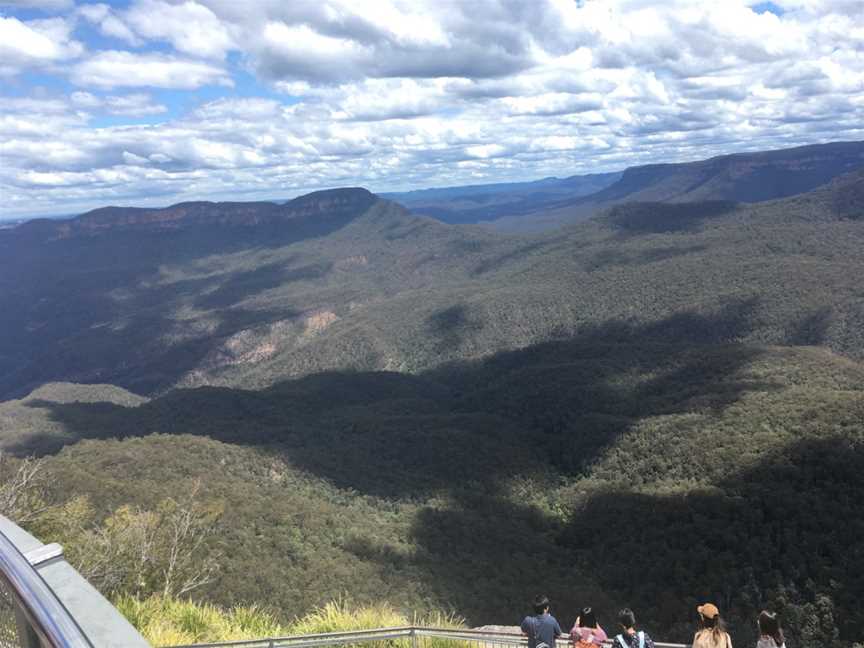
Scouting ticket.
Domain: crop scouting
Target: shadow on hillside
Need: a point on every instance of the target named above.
(524, 251)
(638, 218)
(449, 327)
(618, 256)
(150, 362)
(243, 286)
(791, 518)
(811, 329)
(68, 289)
(774, 535)
(542, 411)
(469, 432)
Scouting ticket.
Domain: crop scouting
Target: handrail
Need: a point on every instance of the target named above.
(304, 641)
(359, 636)
(48, 618)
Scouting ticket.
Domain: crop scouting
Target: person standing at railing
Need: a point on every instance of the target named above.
(629, 637)
(542, 628)
(586, 632)
(712, 632)
(770, 632)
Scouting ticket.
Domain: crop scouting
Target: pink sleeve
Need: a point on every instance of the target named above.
(600, 635)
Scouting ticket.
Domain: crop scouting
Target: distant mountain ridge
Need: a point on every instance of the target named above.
(737, 177)
(147, 304)
(486, 202)
(329, 204)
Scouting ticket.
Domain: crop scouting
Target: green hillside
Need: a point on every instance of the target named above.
(469, 489)
(388, 291)
(655, 407)
(768, 266)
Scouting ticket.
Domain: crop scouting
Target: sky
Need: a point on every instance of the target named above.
(151, 102)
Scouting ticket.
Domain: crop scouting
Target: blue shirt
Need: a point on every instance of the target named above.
(541, 629)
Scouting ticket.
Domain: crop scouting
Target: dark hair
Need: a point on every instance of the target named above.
(709, 622)
(769, 625)
(541, 602)
(587, 618)
(715, 625)
(626, 618)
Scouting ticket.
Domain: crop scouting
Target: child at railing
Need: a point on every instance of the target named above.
(629, 637)
(586, 632)
(770, 632)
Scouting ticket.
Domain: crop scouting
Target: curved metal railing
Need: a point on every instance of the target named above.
(45, 603)
(413, 637)
(45, 618)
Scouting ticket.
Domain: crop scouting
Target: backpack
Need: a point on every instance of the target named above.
(582, 643)
(624, 644)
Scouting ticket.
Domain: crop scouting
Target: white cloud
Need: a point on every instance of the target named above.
(552, 103)
(397, 94)
(47, 5)
(190, 27)
(116, 68)
(110, 24)
(35, 43)
(134, 105)
(85, 100)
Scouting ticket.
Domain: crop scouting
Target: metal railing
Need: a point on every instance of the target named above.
(45, 603)
(400, 637)
(40, 620)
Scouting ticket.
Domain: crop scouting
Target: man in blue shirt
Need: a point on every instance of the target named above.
(542, 628)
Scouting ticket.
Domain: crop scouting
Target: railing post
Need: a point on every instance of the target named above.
(413, 637)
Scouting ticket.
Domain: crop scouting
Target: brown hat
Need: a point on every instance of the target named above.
(709, 610)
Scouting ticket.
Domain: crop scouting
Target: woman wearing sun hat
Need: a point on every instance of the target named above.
(712, 632)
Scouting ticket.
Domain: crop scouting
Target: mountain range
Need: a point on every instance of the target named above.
(550, 203)
(453, 415)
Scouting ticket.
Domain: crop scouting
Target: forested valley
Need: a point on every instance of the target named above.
(657, 406)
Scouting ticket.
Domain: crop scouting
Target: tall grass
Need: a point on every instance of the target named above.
(341, 616)
(168, 621)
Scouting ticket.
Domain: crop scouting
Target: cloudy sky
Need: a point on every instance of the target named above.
(149, 102)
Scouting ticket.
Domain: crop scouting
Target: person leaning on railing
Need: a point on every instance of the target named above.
(629, 637)
(586, 632)
(770, 632)
(542, 628)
